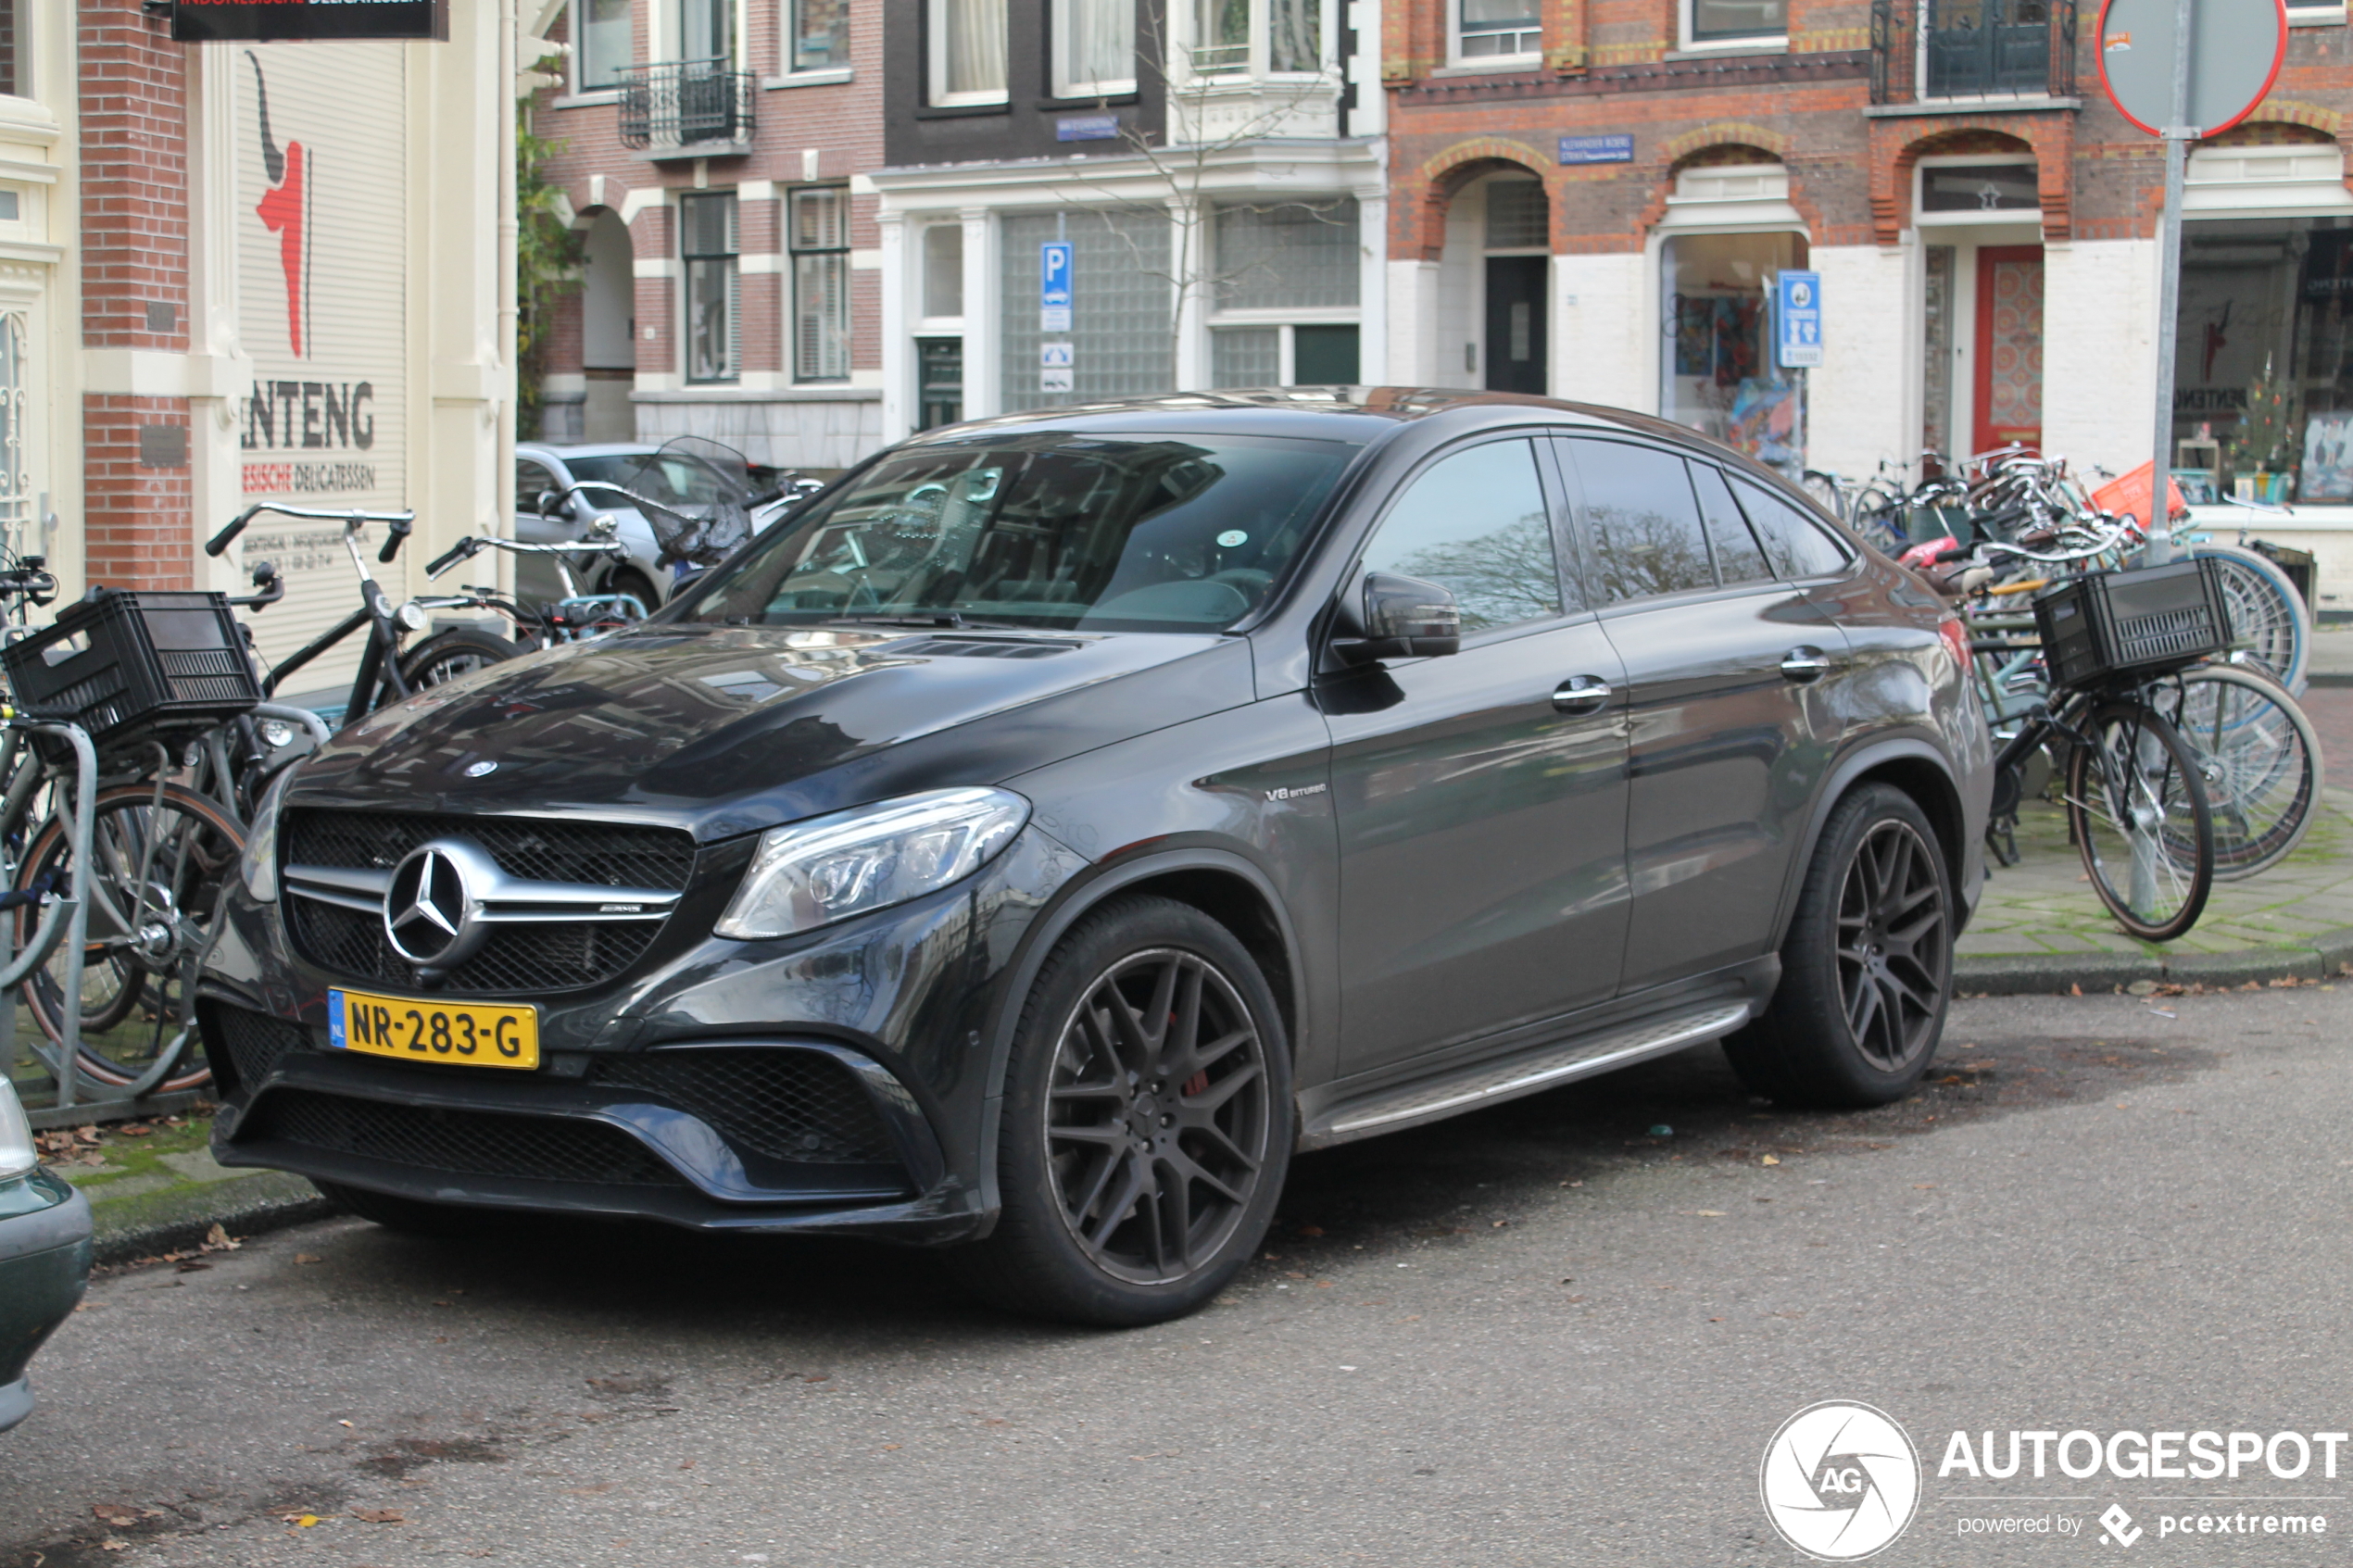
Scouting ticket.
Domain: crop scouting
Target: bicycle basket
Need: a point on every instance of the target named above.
(2144, 622)
(132, 667)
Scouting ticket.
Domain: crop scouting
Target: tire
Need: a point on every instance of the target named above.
(629, 580)
(196, 848)
(2262, 764)
(1101, 1144)
(1866, 969)
(2267, 613)
(2136, 807)
(446, 656)
(412, 1216)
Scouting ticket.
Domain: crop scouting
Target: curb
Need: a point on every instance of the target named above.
(185, 1233)
(2039, 975)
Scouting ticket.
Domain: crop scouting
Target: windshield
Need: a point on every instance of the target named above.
(1134, 533)
(668, 477)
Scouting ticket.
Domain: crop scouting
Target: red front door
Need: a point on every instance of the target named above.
(2009, 346)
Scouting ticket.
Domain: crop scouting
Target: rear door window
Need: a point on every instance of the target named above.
(1795, 544)
(1738, 558)
(1642, 521)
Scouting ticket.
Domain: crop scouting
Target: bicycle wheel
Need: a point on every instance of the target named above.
(446, 656)
(144, 940)
(2266, 614)
(2138, 812)
(2260, 763)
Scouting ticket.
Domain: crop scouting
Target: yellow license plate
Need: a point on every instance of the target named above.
(464, 1033)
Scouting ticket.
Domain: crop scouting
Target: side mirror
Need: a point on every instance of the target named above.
(1401, 617)
(550, 504)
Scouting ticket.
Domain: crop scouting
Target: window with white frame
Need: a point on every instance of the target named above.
(1488, 31)
(1237, 37)
(15, 50)
(1709, 22)
(603, 44)
(707, 30)
(817, 34)
(1288, 281)
(967, 52)
(819, 233)
(1094, 47)
(707, 247)
(943, 272)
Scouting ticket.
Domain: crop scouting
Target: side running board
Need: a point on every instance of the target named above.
(1548, 1067)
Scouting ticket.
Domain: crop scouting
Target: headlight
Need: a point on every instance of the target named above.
(17, 1154)
(813, 873)
(259, 864)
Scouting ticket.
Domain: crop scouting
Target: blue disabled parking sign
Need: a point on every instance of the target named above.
(1054, 286)
(1797, 320)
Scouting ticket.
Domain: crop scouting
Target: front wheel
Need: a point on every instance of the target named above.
(1866, 969)
(2136, 807)
(1147, 1122)
(446, 656)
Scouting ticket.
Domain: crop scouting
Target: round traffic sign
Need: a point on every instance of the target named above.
(2237, 49)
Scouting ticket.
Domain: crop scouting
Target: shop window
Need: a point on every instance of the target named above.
(1718, 377)
(820, 34)
(1122, 338)
(1094, 47)
(1734, 21)
(708, 247)
(967, 49)
(944, 270)
(1641, 520)
(604, 43)
(1476, 524)
(1738, 558)
(1225, 32)
(819, 232)
(1289, 255)
(2263, 373)
(1493, 31)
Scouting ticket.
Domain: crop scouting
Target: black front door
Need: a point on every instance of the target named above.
(1516, 323)
(1480, 797)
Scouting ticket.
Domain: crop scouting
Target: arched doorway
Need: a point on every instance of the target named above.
(607, 329)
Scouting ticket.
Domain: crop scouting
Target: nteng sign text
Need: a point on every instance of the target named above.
(2151, 1456)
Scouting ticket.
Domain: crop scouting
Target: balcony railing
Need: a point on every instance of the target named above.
(687, 108)
(1927, 49)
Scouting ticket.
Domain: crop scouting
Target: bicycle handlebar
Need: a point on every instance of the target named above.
(401, 530)
(470, 546)
(401, 522)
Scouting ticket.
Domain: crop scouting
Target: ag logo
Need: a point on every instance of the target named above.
(1840, 1481)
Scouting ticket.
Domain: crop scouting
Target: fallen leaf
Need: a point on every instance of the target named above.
(304, 1521)
(134, 1132)
(112, 1544)
(1924, 1187)
(887, 1447)
(597, 1490)
(380, 1515)
(1310, 1230)
(1500, 1225)
(1770, 1159)
(441, 1303)
(309, 1258)
(817, 1377)
(218, 1239)
(686, 1464)
(2075, 990)
(116, 1512)
(1708, 1213)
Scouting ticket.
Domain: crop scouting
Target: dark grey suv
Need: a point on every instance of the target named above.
(1036, 838)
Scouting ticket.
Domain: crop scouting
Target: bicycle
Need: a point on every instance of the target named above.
(574, 617)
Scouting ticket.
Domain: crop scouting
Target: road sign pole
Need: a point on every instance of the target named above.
(2178, 135)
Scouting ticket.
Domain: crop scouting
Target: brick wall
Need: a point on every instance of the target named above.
(138, 518)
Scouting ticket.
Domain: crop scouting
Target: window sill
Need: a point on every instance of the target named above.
(2316, 16)
(1124, 97)
(962, 111)
(1969, 106)
(833, 78)
(594, 99)
(1500, 65)
(1733, 46)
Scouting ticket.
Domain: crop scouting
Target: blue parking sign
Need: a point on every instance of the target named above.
(1054, 286)
(1797, 320)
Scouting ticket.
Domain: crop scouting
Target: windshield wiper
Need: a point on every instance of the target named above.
(950, 619)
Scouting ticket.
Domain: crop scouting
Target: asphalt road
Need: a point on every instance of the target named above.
(1538, 1336)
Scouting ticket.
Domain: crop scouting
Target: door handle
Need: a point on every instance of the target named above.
(1581, 694)
(1804, 665)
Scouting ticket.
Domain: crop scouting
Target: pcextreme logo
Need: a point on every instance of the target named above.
(1841, 1481)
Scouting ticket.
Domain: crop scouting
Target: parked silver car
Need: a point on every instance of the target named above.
(631, 464)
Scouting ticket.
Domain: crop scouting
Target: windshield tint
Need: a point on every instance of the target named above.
(1174, 534)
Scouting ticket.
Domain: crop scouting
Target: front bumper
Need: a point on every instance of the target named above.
(835, 1083)
(44, 1264)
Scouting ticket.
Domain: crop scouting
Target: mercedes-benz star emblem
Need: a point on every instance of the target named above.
(426, 907)
(481, 769)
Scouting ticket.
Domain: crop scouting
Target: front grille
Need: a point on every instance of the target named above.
(786, 1104)
(249, 1044)
(518, 959)
(474, 1143)
(531, 959)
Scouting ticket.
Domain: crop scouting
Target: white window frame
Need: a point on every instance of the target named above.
(1922, 218)
(1064, 87)
(1262, 54)
(25, 24)
(2316, 16)
(1687, 20)
(794, 251)
(685, 295)
(1459, 61)
(936, 65)
(580, 92)
(919, 254)
(787, 30)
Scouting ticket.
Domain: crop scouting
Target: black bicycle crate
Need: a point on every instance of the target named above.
(130, 666)
(2144, 622)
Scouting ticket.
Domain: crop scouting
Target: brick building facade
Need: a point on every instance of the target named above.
(1980, 217)
(709, 157)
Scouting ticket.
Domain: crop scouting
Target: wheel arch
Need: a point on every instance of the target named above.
(1912, 765)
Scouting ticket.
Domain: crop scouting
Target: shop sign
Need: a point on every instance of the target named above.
(1797, 320)
(1597, 149)
(1054, 286)
(268, 21)
(1057, 365)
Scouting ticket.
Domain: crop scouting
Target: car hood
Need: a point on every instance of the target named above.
(729, 730)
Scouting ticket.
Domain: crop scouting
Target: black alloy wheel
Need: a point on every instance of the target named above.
(1146, 1124)
(1866, 969)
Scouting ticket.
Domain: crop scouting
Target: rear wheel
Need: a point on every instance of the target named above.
(1866, 968)
(2137, 806)
(446, 656)
(1147, 1122)
(2262, 767)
